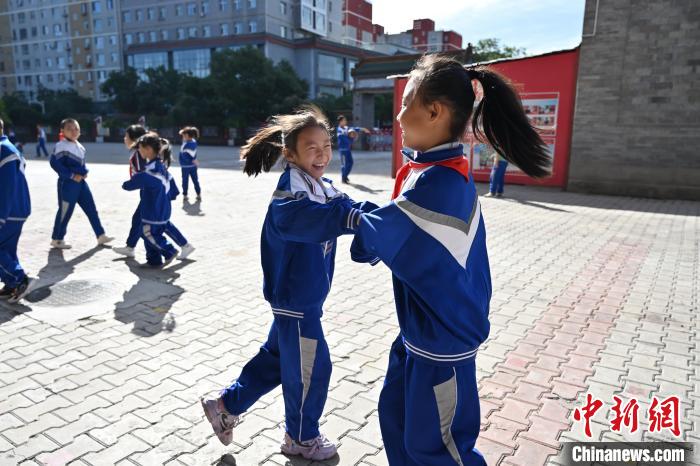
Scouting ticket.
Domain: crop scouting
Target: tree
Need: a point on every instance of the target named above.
(58, 103)
(491, 49)
(121, 86)
(20, 112)
(333, 106)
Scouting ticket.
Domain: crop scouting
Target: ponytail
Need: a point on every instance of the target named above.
(262, 151)
(499, 118)
(166, 152)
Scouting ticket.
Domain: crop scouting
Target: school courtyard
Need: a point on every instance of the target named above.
(106, 361)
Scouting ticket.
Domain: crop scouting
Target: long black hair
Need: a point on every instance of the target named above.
(134, 132)
(160, 146)
(262, 151)
(498, 119)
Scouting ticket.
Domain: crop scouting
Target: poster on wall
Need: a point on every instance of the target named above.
(541, 109)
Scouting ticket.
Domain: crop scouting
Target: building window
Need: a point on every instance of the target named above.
(252, 27)
(179, 10)
(283, 31)
(206, 31)
(164, 34)
(112, 40)
(96, 7)
(237, 4)
(283, 8)
(180, 33)
(110, 5)
(192, 32)
(237, 28)
(56, 31)
(126, 16)
(139, 15)
(151, 14)
(252, 3)
(142, 37)
(330, 90)
(222, 5)
(153, 35)
(331, 67)
(128, 39)
(205, 8)
(99, 42)
(191, 9)
(224, 29)
(114, 57)
(195, 62)
(162, 13)
(100, 59)
(143, 61)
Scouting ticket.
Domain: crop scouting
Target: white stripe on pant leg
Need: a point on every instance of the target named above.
(307, 355)
(64, 209)
(147, 234)
(446, 398)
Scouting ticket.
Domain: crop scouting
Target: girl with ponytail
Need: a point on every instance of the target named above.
(305, 216)
(432, 237)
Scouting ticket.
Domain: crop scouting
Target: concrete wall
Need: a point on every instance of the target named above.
(637, 117)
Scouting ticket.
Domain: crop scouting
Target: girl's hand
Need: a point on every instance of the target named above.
(78, 178)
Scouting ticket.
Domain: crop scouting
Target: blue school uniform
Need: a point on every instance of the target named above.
(432, 237)
(345, 149)
(298, 246)
(68, 159)
(155, 184)
(15, 208)
(136, 165)
(188, 154)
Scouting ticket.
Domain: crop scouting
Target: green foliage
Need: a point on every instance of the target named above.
(491, 49)
(58, 103)
(333, 106)
(20, 112)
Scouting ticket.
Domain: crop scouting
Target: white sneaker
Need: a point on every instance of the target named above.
(185, 251)
(489, 194)
(221, 421)
(22, 290)
(125, 251)
(318, 449)
(60, 244)
(103, 239)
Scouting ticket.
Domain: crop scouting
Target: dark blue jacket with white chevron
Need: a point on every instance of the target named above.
(432, 237)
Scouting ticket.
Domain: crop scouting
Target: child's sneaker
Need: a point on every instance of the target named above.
(185, 251)
(221, 421)
(489, 194)
(22, 290)
(60, 244)
(103, 239)
(125, 251)
(318, 449)
(6, 292)
(169, 259)
(199, 197)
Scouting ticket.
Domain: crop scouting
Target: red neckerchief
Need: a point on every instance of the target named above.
(459, 163)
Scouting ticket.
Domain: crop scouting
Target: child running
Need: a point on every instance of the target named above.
(432, 237)
(345, 135)
(157, 191)
(136, 164)
(15, 207)
(68, 160)
(188, 160)
(304, 218)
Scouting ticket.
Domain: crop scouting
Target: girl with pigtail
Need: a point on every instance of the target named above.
(432, 236)
(305, 216)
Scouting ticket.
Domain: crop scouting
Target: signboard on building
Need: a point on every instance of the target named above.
(547, 87)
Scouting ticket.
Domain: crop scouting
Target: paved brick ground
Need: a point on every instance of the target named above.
(592, 294)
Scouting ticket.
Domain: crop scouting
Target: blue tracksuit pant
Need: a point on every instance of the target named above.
(346, 163)
(11, 273)
(295, 355)
(41, 147)
(429, 414)
(498, 177)
(187, 173)
(157, 246)
(69, 193)
(136, 230)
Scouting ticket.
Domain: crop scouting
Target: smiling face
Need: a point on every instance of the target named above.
(313, 151)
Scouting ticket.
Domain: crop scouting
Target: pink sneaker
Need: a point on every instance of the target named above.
(221, 421)
(318, 449)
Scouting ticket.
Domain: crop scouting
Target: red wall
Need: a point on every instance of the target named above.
(549, 79)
